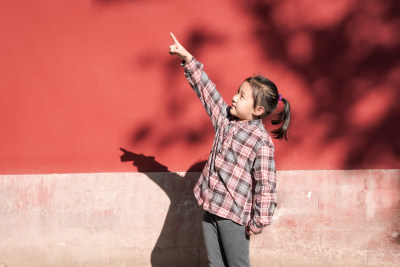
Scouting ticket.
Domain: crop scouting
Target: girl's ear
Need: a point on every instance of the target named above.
(258, 111)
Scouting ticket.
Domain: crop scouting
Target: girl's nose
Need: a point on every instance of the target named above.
(234, 98)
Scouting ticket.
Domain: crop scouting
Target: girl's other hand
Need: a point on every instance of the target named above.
(248, 231)
(179, 50)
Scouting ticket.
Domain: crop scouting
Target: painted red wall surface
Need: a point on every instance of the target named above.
(81, 79)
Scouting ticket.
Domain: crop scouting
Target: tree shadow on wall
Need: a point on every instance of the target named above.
(180, 242)
(348, 67)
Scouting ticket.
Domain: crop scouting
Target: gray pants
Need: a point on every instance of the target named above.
(227, 243)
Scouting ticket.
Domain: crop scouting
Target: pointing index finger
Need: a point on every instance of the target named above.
(173, 37)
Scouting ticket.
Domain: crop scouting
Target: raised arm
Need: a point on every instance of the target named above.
(205, 89)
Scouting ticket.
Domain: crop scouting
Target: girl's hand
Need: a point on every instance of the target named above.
(248, 231)
(179, 50)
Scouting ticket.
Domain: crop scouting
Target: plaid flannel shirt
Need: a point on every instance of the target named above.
(238, 181)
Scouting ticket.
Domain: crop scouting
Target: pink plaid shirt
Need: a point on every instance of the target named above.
(238, 181)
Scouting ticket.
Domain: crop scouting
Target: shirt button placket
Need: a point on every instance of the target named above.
(228, 139)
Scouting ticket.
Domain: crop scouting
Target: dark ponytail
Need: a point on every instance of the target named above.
(265, 94)
(284, 118)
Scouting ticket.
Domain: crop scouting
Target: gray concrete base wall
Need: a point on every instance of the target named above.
(324, 218)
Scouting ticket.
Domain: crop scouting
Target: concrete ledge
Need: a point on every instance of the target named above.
(324, 218)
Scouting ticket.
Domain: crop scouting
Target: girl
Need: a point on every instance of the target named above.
(237, 185)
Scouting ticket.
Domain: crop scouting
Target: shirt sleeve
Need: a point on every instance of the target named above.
(206, 90)
(264, 191)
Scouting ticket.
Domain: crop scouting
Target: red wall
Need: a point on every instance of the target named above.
(81, 79)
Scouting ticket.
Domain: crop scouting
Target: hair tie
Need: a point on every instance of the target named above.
(280, 98)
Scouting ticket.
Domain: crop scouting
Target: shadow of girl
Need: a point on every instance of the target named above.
(180, 242)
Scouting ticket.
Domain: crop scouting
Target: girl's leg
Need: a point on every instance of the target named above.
(212, 241)
(235, 242)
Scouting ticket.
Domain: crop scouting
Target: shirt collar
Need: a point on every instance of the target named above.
(252, 122)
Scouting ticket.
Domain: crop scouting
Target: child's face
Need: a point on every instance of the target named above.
(243, 103)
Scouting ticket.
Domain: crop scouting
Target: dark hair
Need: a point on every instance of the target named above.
(265, 94)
